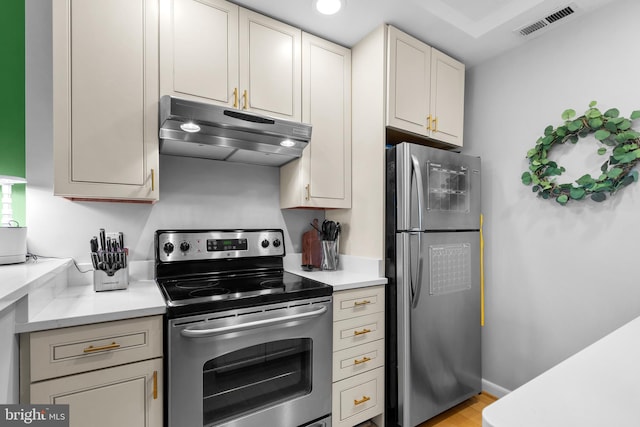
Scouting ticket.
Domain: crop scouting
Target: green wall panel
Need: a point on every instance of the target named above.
(12, 109)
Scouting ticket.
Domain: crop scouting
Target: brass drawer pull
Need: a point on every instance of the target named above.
(362, 332)
(235, 97)
(92, 349)
(365, 359)
(365, 302)
(429, 122)
(361, 401)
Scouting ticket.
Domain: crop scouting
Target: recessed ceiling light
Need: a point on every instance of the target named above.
(328, 7)
(287, 143)
(190, 127)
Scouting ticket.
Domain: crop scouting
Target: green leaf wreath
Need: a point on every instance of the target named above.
(617, 138)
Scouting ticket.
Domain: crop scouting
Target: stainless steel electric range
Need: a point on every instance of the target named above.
(247, 344)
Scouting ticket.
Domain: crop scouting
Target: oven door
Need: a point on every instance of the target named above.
(261, 366)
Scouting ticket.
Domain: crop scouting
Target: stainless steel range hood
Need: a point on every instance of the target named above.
(195, 129)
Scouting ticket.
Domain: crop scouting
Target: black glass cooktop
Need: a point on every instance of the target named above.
(205, 294)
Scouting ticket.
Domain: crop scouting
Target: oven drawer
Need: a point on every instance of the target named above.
(358, 398)
(358, 302)
(59, 352)
(356, 360)
(357, 331)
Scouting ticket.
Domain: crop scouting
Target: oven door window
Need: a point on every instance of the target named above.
(255, 377)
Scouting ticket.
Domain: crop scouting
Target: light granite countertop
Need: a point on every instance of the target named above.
(52, 293)
(353, 272)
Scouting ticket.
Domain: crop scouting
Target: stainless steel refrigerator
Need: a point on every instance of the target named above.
(433, 295)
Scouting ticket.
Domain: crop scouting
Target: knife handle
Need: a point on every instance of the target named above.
(103, 240)
(94, 244)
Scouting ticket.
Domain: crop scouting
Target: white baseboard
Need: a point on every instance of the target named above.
(494, 389)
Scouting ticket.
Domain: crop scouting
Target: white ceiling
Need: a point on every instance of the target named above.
(469, 30)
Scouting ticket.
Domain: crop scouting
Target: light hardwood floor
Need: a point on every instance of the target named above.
(466, 414)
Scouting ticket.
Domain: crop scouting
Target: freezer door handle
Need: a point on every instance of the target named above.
(415, 286)
(415, 170)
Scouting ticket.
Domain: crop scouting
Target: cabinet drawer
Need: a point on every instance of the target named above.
(356, 360)
(358, 398)
(358, 302)
(65, 351)
(357, 331)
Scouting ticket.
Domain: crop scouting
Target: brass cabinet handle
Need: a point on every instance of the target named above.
(92, 349)
(153, 180)
(155, 385)
(435, 124)
(235, 97)
(365, 359)
(307, 192)
(365, 302)
(429, 122)
(361, 401)
(245, 95)
(362, 332)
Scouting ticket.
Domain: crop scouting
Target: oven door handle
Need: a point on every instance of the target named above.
(201, 333)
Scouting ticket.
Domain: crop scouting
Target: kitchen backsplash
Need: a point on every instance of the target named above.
(194, 193)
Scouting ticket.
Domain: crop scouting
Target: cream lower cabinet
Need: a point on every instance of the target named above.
(358, 358)
(108, 373)
(321, 178)
(214, 51)
(105, 99)
(425, 89)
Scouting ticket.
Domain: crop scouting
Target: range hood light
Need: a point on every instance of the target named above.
(287, 143)
(190, 127)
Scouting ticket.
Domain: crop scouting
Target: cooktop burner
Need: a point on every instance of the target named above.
(208, 292)
(202, 271)
(197, 284)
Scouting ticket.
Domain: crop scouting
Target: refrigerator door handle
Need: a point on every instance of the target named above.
(415, 289)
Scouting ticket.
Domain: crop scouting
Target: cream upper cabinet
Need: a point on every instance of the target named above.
(322, 177)
(105, 99)
(199, 50)
(425, 89)
(270, 66)
(214, 51)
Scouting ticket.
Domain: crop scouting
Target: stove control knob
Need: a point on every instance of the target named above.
(276, 243)
(168, 248)
(184, 246)
(265, 243)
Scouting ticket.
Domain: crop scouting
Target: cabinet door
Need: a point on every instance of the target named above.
(105, 99)
(321, 178)
(447, 98)
(128, 395)
(270, 66)
(409, 68)
(199, 50)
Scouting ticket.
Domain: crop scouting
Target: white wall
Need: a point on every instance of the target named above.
(557, 278)
(194, 193)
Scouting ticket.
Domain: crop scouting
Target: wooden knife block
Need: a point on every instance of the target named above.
(311, 250)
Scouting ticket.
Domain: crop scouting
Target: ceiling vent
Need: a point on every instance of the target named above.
(534, 28)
